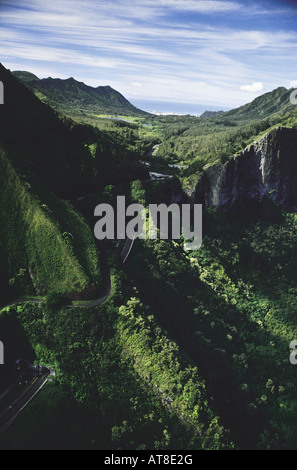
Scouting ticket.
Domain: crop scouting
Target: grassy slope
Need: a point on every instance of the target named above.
(36, 236)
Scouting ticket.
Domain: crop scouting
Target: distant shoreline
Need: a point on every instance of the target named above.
(166, 107)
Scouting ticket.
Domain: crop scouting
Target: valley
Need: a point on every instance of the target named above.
(181, 349)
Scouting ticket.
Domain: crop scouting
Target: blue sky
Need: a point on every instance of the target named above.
(219, 53)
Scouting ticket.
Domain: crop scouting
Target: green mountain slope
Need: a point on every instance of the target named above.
(195, 142)
(37, 248)
(66, 157)
(45, 246)
(274, 102)
(70, 95)
(25, 76)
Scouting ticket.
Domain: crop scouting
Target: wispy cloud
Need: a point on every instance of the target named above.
(202, 6)
(185, 50)
(253, 88)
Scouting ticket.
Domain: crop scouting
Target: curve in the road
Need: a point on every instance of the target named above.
(124, 255)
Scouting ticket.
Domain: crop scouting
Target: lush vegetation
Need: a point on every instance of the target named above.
(45, 245)
(73, 96)
(191, 349)
(66, 157)
(103, 360)
(206, 334)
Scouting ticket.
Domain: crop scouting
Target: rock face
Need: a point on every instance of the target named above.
(267, 168)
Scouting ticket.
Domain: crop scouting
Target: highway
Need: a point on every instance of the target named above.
(127, 249)
(11, 411)
(9, 414)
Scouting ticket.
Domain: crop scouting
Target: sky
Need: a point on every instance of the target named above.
(207, 52)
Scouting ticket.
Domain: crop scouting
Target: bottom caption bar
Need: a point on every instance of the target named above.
(134, 459)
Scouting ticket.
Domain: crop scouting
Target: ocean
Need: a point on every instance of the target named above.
(166, 107)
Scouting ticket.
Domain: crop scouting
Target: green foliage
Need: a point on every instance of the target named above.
(68, 95)
(99, 382)
(191, 350)
(37, 246)
(157, 360)
(137, 192)
(54, 301)
(67, 157)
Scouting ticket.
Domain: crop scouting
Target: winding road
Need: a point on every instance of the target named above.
(124, 255)
(11, 411)
(84, 304)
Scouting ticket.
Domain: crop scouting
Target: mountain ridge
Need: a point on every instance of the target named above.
(65, 94)
(271, 102)
(78, 157)
(68, 94)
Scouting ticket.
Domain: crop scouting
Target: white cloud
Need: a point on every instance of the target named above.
(254, 88)
(136, 84)
(149, 47)
(293, 84)
(202, 6)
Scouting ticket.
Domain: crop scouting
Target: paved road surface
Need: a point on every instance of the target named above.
(8, 415)
(127, 249)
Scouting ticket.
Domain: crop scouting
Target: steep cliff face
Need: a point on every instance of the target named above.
(267, 168)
